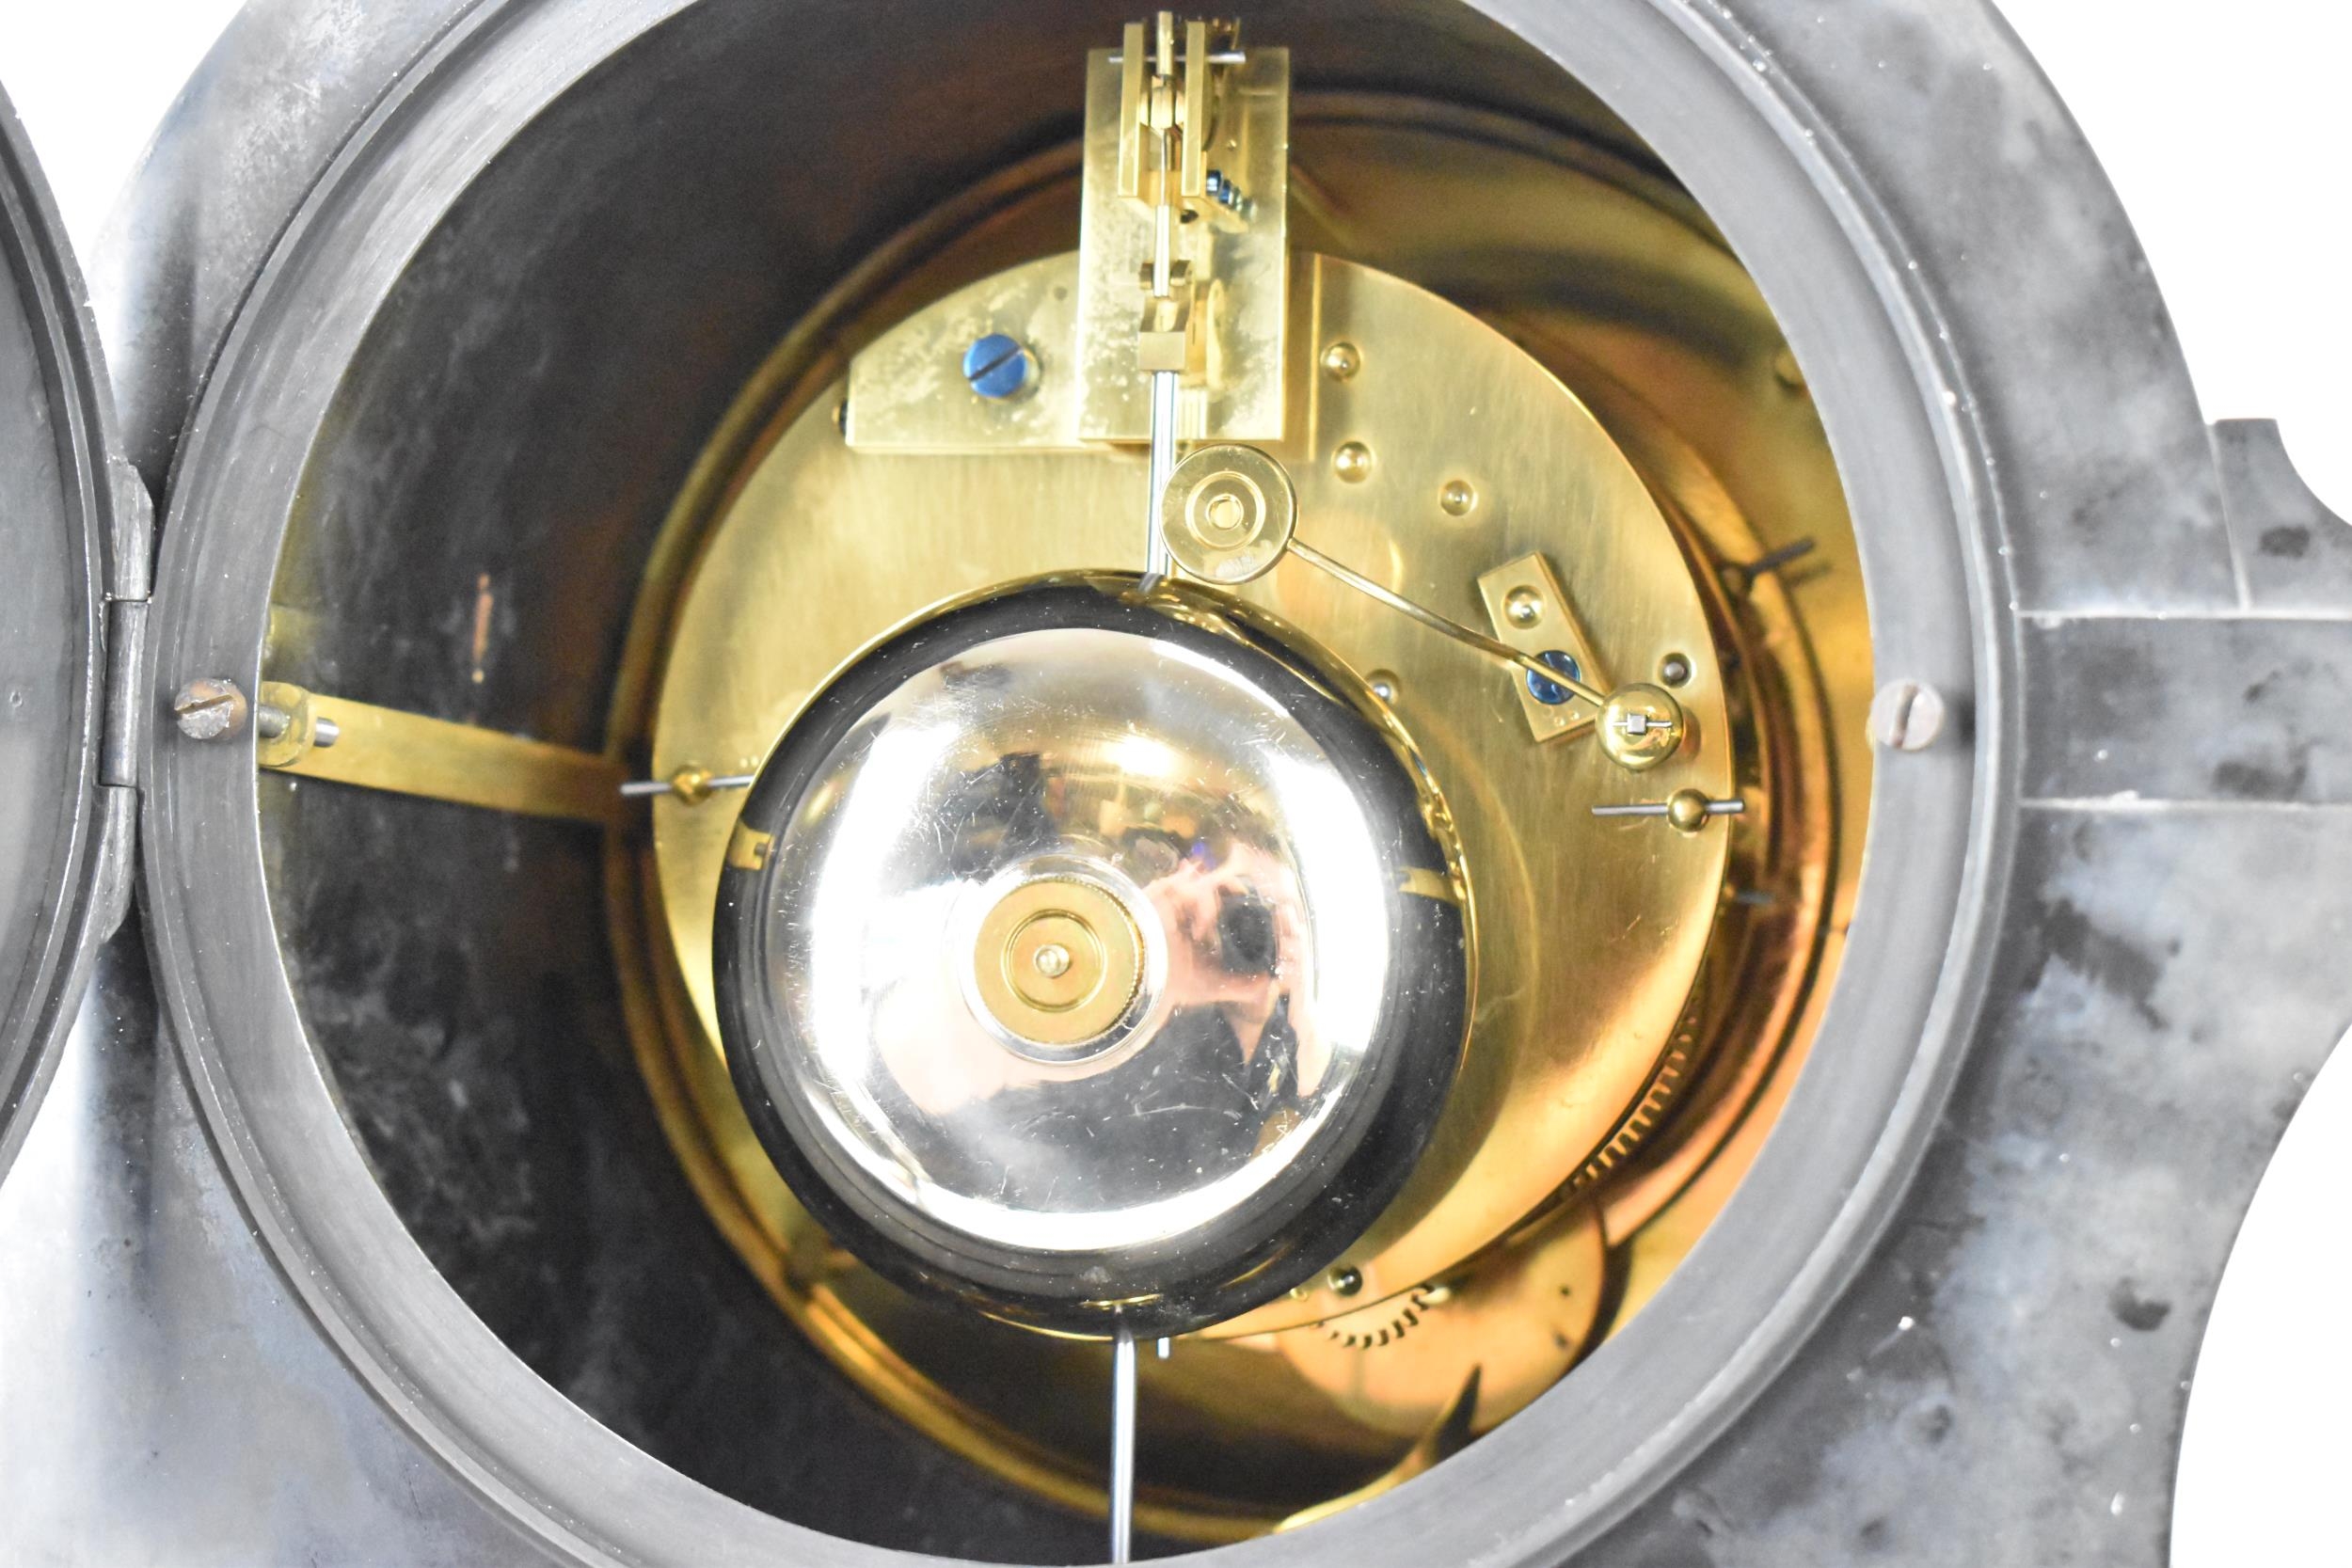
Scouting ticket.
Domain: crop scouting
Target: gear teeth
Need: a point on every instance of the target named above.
(1403, 1322)
(1665, 1087)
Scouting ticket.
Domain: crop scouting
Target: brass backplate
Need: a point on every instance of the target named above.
(1640, 1093)
(861, 543)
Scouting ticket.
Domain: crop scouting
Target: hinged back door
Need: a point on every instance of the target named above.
(75, 553)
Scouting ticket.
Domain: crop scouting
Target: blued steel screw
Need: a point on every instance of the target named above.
(999, 366)
(1551, 693)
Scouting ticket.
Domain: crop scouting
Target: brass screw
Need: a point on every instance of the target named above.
(1352, 462)
(1052, 961)
(1458, 498)
(691, 785)
(1524, 606)
(1340, 362)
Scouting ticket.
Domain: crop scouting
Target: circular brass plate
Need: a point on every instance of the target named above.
(1654, 322)
(1558, 1050)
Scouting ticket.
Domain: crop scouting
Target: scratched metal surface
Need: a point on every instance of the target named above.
(2007, 1379)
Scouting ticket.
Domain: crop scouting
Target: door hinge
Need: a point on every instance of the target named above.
(125, 723)
(122, 725)
(130, 571)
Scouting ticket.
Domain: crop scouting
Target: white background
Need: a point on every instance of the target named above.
(2228, 128)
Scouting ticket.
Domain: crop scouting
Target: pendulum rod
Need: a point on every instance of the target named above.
(1165, 384)
(1157, 562)
(1163, 338)
(1163, 127)
(1123, 1443)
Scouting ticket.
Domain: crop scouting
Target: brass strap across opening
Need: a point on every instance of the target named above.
(409, 754)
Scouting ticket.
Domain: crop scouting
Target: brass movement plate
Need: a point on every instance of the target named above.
(864, 543)
(1245, 1433)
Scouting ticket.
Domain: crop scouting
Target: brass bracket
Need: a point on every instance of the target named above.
(907, 395)
(1097, 325)
(747, 848)
(1165, 95)
(408, 754)
(1186, 185)
(296, 734)
(1530, 612)
(1165, 339)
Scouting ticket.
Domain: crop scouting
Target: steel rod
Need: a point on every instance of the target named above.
(1659, 808)
(1157, 562)
(1122, 1444)
(637, 788)
(1444, 627)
